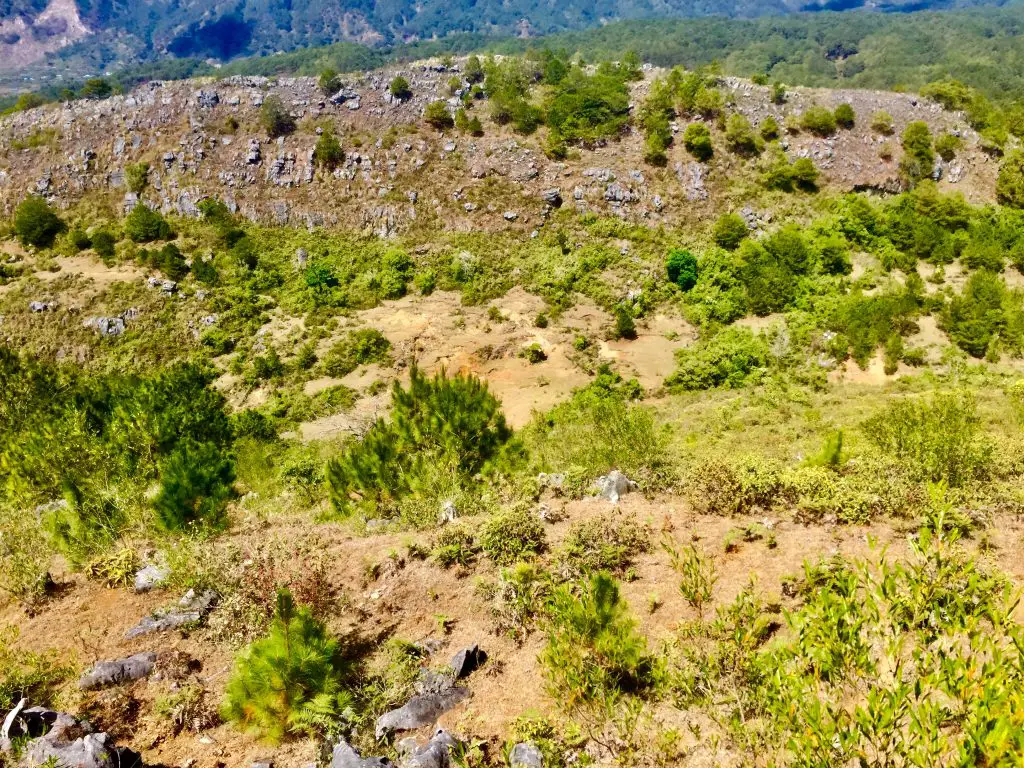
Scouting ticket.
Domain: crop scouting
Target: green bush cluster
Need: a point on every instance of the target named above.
(359, 347)
(439, 429)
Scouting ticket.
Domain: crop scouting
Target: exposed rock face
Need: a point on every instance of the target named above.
(118, 671)
(345, 756)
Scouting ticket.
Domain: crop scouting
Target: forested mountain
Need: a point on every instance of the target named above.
(40, 39)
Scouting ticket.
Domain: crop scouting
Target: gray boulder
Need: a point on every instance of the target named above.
(614, 485)
(118, 671)
(345, 756)
(468, 660)
(552, 197)
(525, 755)
(423, 709)
(436, 753)
(151, 577)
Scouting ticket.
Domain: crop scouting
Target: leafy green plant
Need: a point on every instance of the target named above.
(136, 176)
(697, 140)
(609, 542)
(938, 438)
(594, 653)
(511, 536)
(291, 681)
(399, 88)
(696, 572)
(275, 117)
(328, 153)
(730, 230)
(358, 347)
(454, 544)
(681, 267)
(144, 225)
(35, 223)
(818, 120)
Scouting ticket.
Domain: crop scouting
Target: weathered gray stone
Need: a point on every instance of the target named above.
(468, 660)
(118, 671)
(436, 753)
(420, 710)
(525, 755)
(345, 756)
(150, 577)
(614, 485)
(58, 738)
(190, 609)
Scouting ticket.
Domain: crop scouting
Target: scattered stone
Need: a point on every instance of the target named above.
(118, 671)
(41, 306)
(207, 99)
(301, 258)
(190, 609)
(107, 326)
(614, 485)
(552, 197)
(468, 660)
(525, 754)
(554, 481)
(151, 576)
(511, 215)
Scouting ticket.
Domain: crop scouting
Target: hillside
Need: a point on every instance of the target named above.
(511, 413)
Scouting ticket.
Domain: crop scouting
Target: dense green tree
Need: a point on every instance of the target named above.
(144, 225)
(697, 140)
(681, 267)
(845, 116)
(438, 116)
(818, 120)
(918, 158)
(327, 153)
(730, 229)
(195, 486)
(35, 223)
(399, 88)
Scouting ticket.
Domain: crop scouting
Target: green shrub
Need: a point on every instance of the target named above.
(598, 430)
(918, 158)
(818, 120)
(195, 486)
(508, 537)
(625, 327)
(947, 146)
(594, 652)
(609, 542)
(939, 607)
(290, 682)
(937, 439)
(717, 487)
(681, 267)
(454, 545)
(979, 314)
(1010, 181)
(275, 117)
(769, 129)
(845, 116)
(328, 153)
(534, 353)
(587, 108)
(35, 223)
(329, 81)
(730, 230)
(697, 140)
(399, 88)
(730, 358)
(438, 116)
(359, 347)
(103, 243)
(450, 424)
(740, 136)
(144, 225)
(136, 176)
(882, 122)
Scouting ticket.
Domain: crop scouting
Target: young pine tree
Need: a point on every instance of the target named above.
(290, 682)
